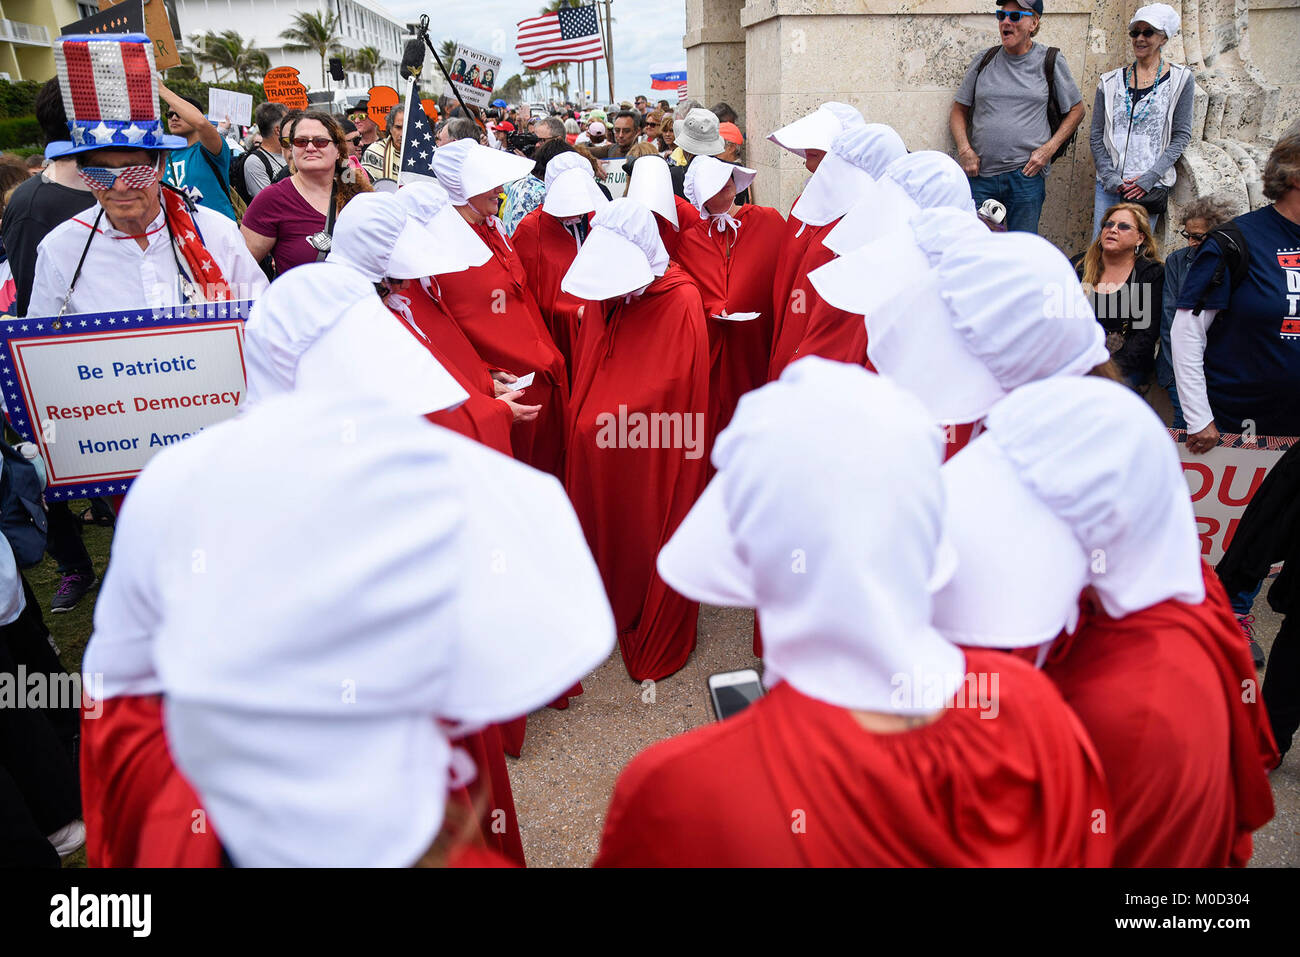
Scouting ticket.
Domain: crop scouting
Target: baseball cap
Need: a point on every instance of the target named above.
(731, 133)
(1035, 5)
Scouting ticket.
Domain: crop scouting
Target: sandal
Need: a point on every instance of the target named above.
(88, 517)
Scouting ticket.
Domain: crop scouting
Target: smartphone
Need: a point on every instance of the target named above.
(734, 691)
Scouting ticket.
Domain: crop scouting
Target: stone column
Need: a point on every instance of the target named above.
(715, 53)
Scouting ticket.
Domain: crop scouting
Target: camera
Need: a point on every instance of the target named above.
(523, 142)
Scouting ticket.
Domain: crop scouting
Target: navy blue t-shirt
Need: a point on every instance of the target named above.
(1252, 351)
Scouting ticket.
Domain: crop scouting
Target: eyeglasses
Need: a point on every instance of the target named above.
(354, 141)
(132, 177)
(1012, 15)
(172, 114)
(1148, 33)
(1193, 237)
(1116, 224)
(320, 142)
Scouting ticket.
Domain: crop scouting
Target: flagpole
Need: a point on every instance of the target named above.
(406, 114)
(609, 50)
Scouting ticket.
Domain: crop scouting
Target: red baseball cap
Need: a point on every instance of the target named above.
(731, 133)
(507, 126)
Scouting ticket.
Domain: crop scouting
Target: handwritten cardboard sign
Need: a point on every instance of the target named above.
(159, 27)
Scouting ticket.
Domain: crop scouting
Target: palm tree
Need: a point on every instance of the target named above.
(227, 50)
(311, 31)
(365, 60)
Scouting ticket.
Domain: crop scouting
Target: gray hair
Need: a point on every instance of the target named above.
(1216, 210)
(685, 107)
(463, 128)
(392, 114)
(571, 126)
(553, 125)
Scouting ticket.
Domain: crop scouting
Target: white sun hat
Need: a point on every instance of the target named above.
(571, 188)
(652, 187)
(466, 169)
(706, 176)
(622, 253)
(455, 246)
(322, 327)
(818, 129)
(856, 613)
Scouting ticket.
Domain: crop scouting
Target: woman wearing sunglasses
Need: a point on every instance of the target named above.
(1123, 276)
(293, 218)
(1142, 119)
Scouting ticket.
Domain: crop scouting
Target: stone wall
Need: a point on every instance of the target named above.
(900, 63)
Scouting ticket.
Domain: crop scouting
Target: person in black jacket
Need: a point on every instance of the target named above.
(1124, 278)
(1269, 532)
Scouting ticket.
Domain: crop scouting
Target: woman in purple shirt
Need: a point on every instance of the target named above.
(282, 217)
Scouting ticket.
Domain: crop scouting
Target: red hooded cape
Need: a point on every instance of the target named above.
(1161, 693)
(793, 297)
(547, 251)
(493, 307)
(636, 360)
(795, 782)
(139, 810)
(734, 274)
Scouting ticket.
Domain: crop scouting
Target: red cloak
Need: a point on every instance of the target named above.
(1161, 693)
(792, 294)
(547, 251)
(637, 360)
(493, 307)
(139, 810)
(734, 273)
(490, 795)
(795, 782)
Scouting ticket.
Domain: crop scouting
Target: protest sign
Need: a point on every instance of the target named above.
(229, 103)
(100, 394)
(382, 99)
(430, 108)
(124, 17)
(158, 25)
(1222, 483)
(615, 177)
(283, 86)
(474, 74)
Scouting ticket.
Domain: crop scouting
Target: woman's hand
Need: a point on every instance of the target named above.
(522, 413)
(501, 382)
(1198, 443)
(1131, 190)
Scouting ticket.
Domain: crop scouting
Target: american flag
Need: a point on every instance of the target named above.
(569, 34)
(417, 141)
(681, 93)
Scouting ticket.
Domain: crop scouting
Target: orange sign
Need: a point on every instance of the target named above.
(430, 109)
(283, 86)
(159, 27)
(382, 99)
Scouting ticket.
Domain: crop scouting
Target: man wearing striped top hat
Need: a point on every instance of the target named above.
(145, 244)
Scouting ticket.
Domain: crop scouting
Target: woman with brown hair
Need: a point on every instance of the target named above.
(1124, 277)
(292, 219)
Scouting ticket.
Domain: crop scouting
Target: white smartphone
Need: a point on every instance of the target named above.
(734, 691)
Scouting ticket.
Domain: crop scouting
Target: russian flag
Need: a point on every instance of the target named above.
(667, 77)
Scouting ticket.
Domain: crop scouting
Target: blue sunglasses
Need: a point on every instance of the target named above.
(1012, 15)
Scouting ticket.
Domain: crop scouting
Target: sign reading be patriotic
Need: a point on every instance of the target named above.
(100, 394)
(567, 35)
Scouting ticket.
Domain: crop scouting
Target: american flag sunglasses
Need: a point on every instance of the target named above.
(132, 177)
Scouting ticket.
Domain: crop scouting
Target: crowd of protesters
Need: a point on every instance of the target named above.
(538, 320)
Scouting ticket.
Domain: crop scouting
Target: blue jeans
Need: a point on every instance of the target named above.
(1022, 196)
(1103, 201)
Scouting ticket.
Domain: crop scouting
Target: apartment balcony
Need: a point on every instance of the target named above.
(28, 34)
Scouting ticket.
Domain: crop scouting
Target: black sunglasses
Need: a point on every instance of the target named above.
(1122, 227)
(1197, 237)
(1148, 33)
(1012, 15)
(172, 114)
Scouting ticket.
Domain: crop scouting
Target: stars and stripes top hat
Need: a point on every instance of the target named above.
(110, 93)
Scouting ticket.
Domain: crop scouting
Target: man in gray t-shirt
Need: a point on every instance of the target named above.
(268, 159)
(1009, 146)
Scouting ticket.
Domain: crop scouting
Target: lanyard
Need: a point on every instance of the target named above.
(188, 291)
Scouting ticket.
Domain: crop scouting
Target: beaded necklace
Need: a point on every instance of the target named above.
(1150, 97)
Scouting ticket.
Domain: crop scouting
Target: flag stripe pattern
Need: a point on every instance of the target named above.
(570, 34)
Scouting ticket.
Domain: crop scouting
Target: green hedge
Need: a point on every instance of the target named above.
(16, 132)
(18, 99)
(198, 89)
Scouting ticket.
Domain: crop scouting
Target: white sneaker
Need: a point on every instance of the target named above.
(68, 838)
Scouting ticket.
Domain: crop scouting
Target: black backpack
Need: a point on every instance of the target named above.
(237, 181)
(22, 512)
(1054, 114)
(1234, 259)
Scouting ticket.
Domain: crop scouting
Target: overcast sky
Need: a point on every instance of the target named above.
(646, 33)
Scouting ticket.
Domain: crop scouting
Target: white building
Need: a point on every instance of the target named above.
(362, 23)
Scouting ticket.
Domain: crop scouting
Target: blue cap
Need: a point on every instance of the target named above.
(1034, 5)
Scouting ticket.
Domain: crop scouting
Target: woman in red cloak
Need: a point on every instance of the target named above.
(548, 239)
(493, 305)
(637, 426)
(730, 251)
(873, 747)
